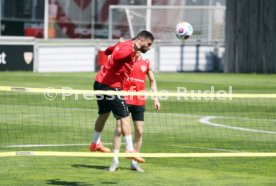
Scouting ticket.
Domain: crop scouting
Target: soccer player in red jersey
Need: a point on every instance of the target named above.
(111, 77)
(136, 105)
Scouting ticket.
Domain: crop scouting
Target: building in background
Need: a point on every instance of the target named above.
(73, 18)
(22, 18)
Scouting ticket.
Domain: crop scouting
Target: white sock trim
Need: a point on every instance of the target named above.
(97, 137)
(133, 162)
(116, 158)
(129, 143)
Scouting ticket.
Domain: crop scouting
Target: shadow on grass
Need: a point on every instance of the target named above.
(100, 167)
(71, 183)
(109, 183)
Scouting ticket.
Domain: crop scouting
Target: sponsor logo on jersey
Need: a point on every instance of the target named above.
(143, 68)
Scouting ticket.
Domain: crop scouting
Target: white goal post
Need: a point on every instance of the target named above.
(208, 21)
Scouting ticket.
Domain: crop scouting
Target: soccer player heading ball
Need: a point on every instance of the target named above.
(136, 106)
(111, 77)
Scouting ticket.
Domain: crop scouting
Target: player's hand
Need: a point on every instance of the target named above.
(157, 105)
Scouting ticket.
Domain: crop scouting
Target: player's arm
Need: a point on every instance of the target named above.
(108, 51)
(153, 87)
(123, 53)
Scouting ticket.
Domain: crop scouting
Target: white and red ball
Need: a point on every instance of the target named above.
(183, 30)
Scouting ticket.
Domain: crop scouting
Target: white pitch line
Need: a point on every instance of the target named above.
(206, 120)
(44, 145)
(152, 155)
(47, 145)
(205, 148)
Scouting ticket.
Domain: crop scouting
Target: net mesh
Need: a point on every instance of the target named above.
(55, 121)
(208, 23)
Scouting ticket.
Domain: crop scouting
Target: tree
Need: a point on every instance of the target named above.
(250, 42)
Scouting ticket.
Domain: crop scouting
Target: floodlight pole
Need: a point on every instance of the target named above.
(46, 18)
(0, 17)
(210, 26)
(148, 22)
(110, 17)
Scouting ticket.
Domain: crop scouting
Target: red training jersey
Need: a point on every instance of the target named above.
(116, 70)
(136, 82)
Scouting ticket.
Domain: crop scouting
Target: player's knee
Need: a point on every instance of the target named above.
(118, 131)
(139, 133)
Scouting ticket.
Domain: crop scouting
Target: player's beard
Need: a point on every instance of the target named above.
(143, 49)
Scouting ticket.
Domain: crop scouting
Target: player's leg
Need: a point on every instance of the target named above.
(116, 146)
(137, 144)
(138, 126)
(100, 122)
(97, 145)
(138, 120)
(117, 136)
(103, 112)
(120, 111)
(126, 131)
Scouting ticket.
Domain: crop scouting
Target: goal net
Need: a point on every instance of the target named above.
(35, 119)
(127, 21)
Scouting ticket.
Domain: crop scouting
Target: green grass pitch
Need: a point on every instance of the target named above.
(181, 126)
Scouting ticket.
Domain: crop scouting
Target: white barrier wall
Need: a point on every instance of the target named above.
(65, 59)
(80, 55)
(164, 58)
(187, 58)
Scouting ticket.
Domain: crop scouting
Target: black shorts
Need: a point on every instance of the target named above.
(137, 112)
(108, 103)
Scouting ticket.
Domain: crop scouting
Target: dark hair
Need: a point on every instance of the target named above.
(145, 34)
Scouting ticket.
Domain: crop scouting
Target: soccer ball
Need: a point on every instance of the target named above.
(183, 30)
